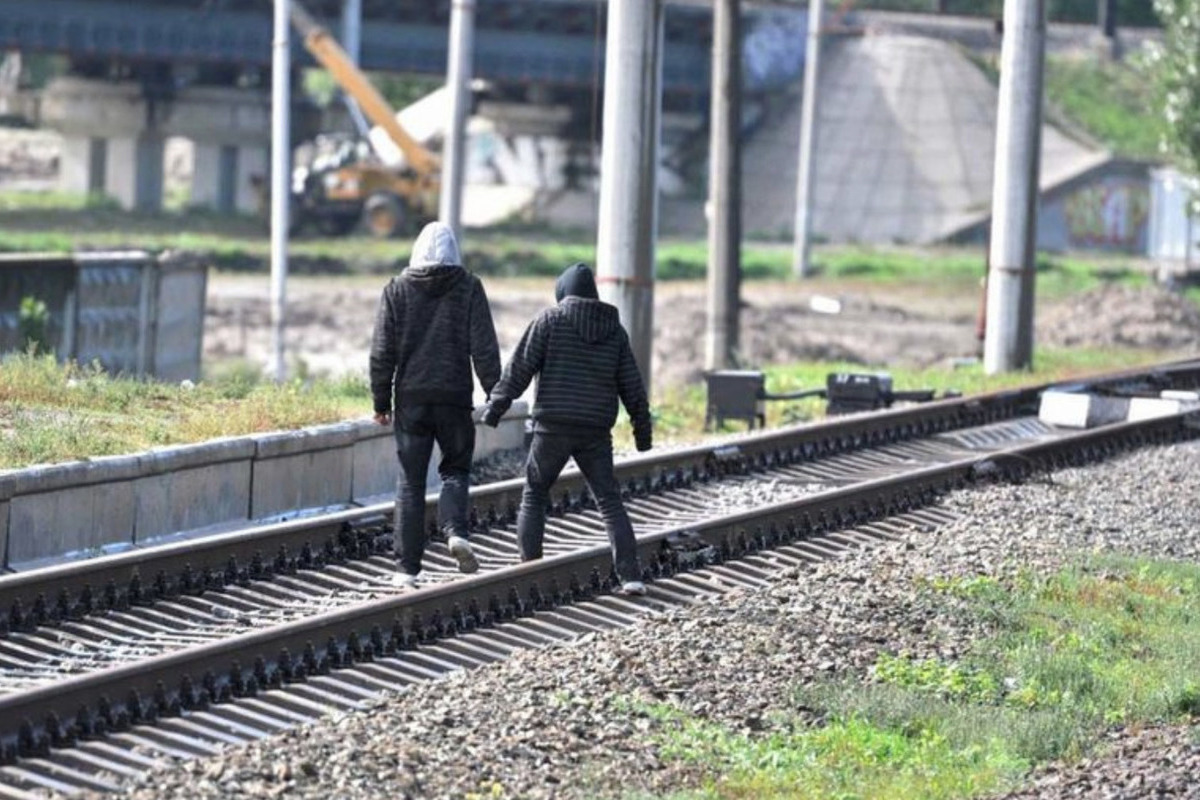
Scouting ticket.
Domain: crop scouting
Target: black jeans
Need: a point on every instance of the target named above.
(548, 454)
(416, 429)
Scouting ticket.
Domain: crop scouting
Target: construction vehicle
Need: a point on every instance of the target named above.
(340, 180)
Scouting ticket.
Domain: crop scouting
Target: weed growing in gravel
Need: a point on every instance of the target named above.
(850, 757)
(1108, 641)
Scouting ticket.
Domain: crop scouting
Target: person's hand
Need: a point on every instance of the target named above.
(383, 418)
(491, 417)
(642, 443)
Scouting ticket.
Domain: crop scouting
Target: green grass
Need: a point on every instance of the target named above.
(55, 222)
(51, 413)
(679, 411)
(1107, 641)
(1111, 101)
(1050, 366)
(848, 758)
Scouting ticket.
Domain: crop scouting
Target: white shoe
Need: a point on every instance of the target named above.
(402, 580)
(460, 548)
(633, 587)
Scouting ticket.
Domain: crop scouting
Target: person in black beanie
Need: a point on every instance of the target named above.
(584, 364)
(433, 322)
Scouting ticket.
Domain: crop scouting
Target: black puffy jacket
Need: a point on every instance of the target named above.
(433, 322)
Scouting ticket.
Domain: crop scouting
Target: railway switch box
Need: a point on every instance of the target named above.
(735, 394)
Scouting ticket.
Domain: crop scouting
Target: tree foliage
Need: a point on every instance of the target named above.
(1177, 61)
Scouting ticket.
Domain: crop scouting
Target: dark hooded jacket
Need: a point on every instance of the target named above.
(583, 362)
(433, 322)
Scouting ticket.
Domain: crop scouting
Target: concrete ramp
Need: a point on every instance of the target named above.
(906, 145)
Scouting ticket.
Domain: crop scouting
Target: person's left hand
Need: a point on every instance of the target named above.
(491, 417)
(384, 418)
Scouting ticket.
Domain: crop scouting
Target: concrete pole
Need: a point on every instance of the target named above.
(281, 168)
(1106, 18)
(628, 204)
(352, 29)
(1008, 342)
(724, 188)
(352, 44)
(808, 142)
(458, 83)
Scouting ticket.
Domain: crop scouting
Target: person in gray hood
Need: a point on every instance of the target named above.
(433, 323)
(584, 365)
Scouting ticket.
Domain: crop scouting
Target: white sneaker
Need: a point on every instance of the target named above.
(402, 580)
(460, 548)
(633, 587)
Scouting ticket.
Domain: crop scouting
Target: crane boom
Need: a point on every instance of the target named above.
(330, 55)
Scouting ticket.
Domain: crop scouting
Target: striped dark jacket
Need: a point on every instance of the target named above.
(583, 362)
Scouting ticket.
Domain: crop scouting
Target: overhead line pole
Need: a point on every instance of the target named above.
(352, 44)
(724, 188)
(628, 224)
(458, 80)
(1008, 341)
(281, 162)
(801, 266)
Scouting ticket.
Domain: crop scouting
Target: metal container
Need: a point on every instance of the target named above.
(1173, 240)
(131, 312)
(735, 394)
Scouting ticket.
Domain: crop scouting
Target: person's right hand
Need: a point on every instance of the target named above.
(384, 418)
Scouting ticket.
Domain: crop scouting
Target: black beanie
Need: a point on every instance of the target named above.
(576, 281)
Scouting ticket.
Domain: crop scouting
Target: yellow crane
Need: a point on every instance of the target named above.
(343, 182)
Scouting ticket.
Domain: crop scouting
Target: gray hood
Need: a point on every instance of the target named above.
(435, 266)
(435, 245)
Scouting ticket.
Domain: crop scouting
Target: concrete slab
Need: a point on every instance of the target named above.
(194, 487)
(6, 489)
(1141, 408)
(297, 471)
(84, 508)
(374, 463)
(1081, 410)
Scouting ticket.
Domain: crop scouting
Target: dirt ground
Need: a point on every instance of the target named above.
(330, 321)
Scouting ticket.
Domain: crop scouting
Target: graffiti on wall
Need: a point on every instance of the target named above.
(1111, 215)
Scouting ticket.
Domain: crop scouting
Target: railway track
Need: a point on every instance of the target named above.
(226, 643)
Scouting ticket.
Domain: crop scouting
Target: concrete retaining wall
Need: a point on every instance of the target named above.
(106, 505)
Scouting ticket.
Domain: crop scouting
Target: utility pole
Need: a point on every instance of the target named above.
(1106, 20)
(352, 29)
(1008, 342)
(808, 142)
(724, 188)
(1106, 17)
(281, 173)
(352, 44)
(628, 204)
(458, 80)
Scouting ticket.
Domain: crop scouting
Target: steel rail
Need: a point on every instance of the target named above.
(74, 590)
(58, 715)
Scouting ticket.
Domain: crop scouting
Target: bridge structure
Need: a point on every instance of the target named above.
(143, 70)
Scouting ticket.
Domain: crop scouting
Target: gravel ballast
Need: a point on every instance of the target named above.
(559, 723)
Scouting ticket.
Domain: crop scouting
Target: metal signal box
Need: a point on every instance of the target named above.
(735, 394)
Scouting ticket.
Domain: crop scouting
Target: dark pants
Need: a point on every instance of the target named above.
(548, 454)
(416, 429)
